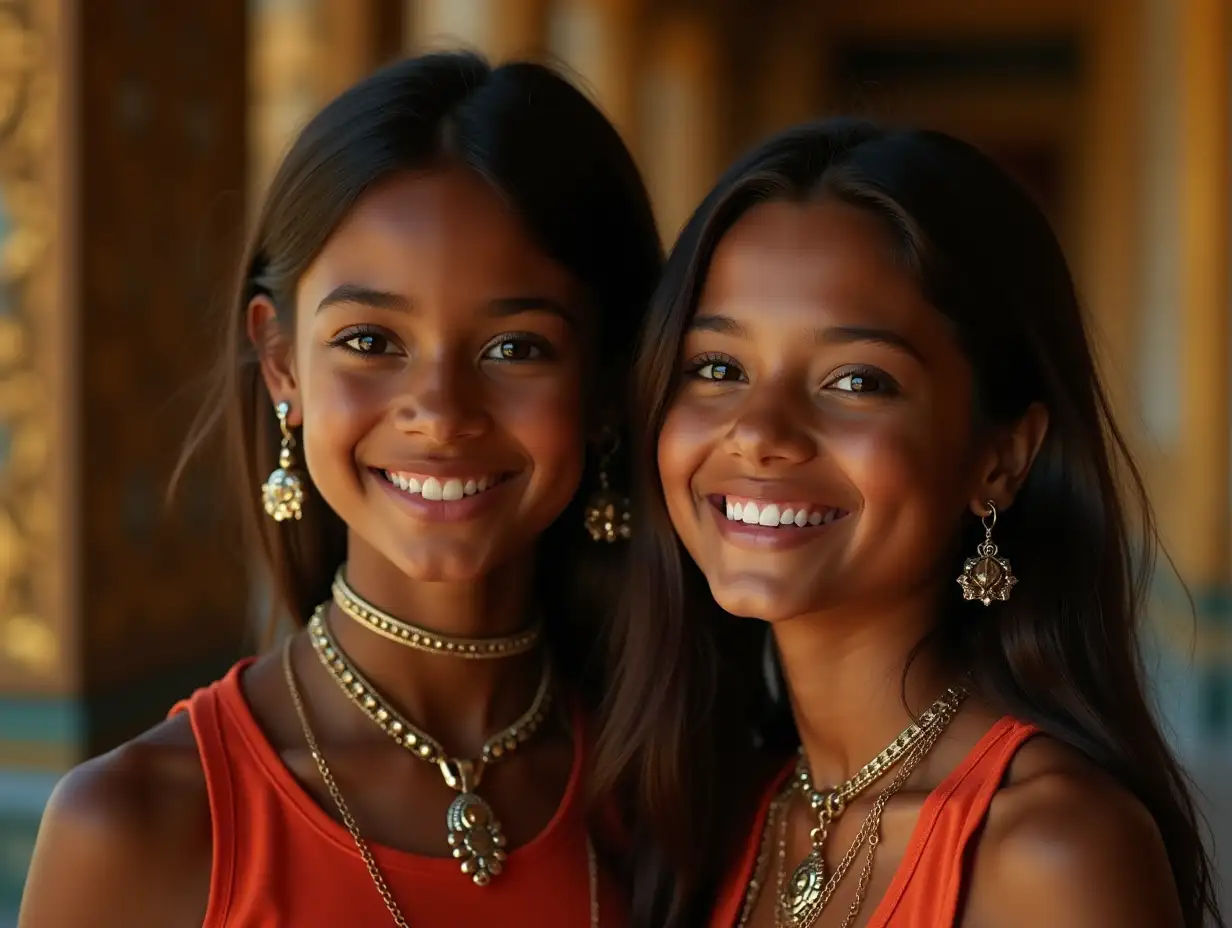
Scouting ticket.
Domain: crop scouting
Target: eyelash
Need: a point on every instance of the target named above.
(342, 340)
(887, 386)
(537, 343)
(700, 363)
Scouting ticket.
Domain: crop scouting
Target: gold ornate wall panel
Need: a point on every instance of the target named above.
(36, 641)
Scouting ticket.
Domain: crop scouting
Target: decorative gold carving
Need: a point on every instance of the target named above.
(28, 116)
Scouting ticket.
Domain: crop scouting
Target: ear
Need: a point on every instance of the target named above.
(276, 355)
(1008, 459)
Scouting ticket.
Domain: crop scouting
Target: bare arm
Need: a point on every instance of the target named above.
(1073, 852)
(125, 841)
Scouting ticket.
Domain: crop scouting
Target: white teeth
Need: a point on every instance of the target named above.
(801, 519)
(436, 489)
(787, 517)
(769, 516)
(830, 516)
(731, 510)
(737, 512)
(751, 515)
(815, 518)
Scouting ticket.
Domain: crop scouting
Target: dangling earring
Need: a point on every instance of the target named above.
(608, 514)
(283, 492)
(987, 577)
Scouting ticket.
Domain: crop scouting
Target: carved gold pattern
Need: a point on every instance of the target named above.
(28, 280)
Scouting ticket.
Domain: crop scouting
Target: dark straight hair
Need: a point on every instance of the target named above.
(560, 166)
(690, 699)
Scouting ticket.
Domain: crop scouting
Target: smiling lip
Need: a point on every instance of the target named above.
(769, 524)
(437, 493)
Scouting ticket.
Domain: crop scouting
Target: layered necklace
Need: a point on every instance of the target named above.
(474, 833)
(804, 896)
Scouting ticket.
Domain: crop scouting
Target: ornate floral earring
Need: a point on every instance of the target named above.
(609, 516)
(283, 491)
(987, 577)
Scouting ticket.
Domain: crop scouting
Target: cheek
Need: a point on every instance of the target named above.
(340, 408)
(684, 444)
(547, 420)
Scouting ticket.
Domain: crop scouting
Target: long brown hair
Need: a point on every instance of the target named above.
(690, 698)
(564, 170)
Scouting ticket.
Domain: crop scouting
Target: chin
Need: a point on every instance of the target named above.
(756, 599)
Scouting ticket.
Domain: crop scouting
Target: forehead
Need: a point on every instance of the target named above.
(824, 258)
(436, 233)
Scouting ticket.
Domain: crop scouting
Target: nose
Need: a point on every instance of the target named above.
(771, 428)
(443, 402)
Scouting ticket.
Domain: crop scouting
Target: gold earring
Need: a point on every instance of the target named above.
(609, 516)
(283, 492)
(987, 577)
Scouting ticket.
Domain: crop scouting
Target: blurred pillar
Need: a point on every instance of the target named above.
(500, 29)
(1113, 175)
(598, 40)
(680, 118)
(792, 69)
(1203, 459)
(286, 64)
(122, 165)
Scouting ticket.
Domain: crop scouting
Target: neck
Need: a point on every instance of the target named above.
(844, 676)
(460, 702)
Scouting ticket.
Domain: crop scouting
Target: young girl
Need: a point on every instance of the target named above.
(872, 417)
(433, 316)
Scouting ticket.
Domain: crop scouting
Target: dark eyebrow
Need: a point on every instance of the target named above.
(721, 325)
(849, 334)
(514, 305)
(364, 296)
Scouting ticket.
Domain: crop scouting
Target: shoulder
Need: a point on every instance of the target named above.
(1066, 845)
(130, 832)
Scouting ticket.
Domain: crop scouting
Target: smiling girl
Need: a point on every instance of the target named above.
(873, 420)
(434, 313)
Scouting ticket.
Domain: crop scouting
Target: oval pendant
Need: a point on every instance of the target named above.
(804, 890)
(476, 838)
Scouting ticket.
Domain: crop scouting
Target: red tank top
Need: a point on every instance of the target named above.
(926, 889)
(280, 860)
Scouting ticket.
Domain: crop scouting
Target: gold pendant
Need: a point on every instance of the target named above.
(476, 838)
(474, 833)
(804, 889)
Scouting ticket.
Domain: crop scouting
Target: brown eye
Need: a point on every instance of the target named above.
(861, 382)
(368, 343)
(718, 371)
(514, 349)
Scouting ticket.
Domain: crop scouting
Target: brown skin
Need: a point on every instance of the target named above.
(130, 831)
(816, 372)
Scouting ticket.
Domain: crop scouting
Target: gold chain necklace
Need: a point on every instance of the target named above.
(474, 832)
(800, 902)
(365, 852)
(366, 614)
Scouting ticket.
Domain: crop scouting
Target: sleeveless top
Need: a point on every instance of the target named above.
(280, 860)
(927, 887)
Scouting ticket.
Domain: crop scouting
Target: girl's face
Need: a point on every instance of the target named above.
(437, 367)
(819, 450)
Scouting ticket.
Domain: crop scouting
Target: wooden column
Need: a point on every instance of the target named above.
(122, 169)
(598, 39)
(1107, 258)
(1203, 458)
(680, 126)
(500, 29)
